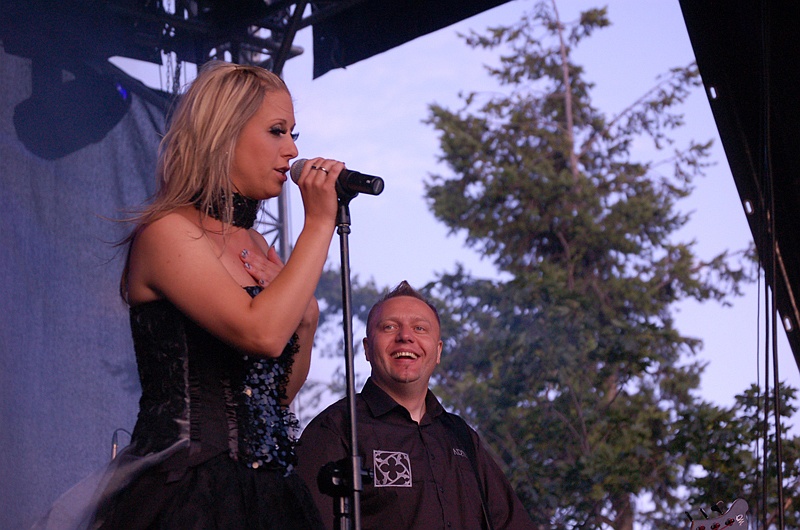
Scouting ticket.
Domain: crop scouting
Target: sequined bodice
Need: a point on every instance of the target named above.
(197, 387)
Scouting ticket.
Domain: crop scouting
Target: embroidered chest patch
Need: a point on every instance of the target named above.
(392, 469)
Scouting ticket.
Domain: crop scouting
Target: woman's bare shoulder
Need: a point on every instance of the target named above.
(178, 224)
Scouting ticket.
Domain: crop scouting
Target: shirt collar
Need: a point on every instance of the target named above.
(380, 403)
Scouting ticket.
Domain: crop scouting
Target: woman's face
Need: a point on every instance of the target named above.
(264, 148)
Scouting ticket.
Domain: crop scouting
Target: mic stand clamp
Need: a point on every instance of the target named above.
(335, 480)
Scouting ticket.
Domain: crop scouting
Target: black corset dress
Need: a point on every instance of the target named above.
(195, 386)
(212, 448)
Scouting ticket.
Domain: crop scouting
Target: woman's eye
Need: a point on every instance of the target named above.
(277, 131)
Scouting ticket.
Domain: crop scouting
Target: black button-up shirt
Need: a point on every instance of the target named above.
(423, 478)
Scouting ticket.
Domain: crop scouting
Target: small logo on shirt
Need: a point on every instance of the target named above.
(392, 469)
(459, 452)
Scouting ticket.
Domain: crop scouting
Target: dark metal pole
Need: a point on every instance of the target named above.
(354, 506)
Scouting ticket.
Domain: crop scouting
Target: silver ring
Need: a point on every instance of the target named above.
(323, 169)
(261, 281)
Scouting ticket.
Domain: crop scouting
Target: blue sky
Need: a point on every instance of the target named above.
(370, 116)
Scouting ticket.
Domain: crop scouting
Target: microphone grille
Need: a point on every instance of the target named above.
(297, 168)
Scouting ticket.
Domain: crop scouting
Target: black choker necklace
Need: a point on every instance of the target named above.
(245, 210)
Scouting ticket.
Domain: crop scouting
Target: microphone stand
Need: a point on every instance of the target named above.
(347, 490)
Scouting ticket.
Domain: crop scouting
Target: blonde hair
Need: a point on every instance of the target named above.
(194, 157)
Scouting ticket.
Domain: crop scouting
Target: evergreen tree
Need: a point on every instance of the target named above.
(329, 339)
(569, 363)
(731, 452)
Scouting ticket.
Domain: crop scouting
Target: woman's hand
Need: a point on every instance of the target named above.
(317, 183)
(262, 268)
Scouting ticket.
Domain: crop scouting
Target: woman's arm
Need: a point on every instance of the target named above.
(263, 268)
(171, 258)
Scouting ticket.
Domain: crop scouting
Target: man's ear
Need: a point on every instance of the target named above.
(367, 353)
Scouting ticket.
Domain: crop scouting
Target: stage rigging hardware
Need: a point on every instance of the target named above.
(79, 36)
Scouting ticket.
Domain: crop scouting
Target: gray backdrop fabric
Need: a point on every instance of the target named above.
(67, 369)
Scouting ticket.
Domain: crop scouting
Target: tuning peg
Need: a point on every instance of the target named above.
(705, 515)
(719, 507)
(689, 516)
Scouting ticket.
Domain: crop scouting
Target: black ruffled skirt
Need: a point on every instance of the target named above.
(217, 494)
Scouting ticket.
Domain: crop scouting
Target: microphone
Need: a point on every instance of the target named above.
(349, 184)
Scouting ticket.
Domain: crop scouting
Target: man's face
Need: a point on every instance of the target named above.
(403, 344)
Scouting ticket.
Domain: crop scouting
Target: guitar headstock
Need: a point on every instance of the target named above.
(734, 518)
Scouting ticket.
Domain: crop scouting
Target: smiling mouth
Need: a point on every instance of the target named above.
(404, 355)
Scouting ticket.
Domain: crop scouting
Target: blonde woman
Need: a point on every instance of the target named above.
(222, 329)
